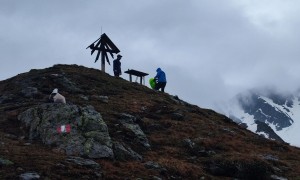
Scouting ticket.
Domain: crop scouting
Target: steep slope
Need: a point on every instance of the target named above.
(144, 134)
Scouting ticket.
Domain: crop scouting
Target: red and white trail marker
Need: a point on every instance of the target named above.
(64, 128)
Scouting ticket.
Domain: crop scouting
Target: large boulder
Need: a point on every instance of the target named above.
(88, 134)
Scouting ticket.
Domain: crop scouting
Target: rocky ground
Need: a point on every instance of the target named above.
(123, 130)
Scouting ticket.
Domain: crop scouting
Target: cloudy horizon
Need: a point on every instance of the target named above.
(210, 50)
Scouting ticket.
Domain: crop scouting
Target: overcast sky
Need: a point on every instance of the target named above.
(209, 49)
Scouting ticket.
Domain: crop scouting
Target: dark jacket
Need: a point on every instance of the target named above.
(117, 66)
(160, 76)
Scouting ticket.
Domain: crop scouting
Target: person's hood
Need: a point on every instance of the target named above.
(158, 69)
(55, 91)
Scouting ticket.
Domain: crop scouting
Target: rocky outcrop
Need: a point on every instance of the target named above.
(65, 82)
(129, 122)
(29, 175)
(83, 162)
(140, 133)
(262, 127)
(88, 132)
(124, 153)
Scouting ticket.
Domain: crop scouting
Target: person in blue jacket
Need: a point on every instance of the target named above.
(161, 80)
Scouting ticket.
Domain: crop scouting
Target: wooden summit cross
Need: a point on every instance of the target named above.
(103, 45)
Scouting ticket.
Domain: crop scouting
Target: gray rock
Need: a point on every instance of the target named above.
(228, 130)
(124, 153)
(127, 118)
(29, 176)
(5, 162)
(29, 92)
(128, 122)
(275, 177)
(269, 157)
(188, 143)
(155, 166)
(71, 144)
(177, 116)
(175, 99)
(11, 136)
(156, 178)
(83, 162)
(152, 165)
(89, 133)
(7, 98)
(96, 150)
(99, 137)
(103, 99)
(196, 149)
(178, 101)
(67, 84)
(84, 97)
(244, 125)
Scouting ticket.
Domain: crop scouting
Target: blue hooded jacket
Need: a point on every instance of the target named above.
(160, 76)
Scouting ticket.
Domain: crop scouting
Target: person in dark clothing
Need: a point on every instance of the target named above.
(161, 80)
(117, 66)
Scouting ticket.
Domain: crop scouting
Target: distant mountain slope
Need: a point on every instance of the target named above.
(279, 112)
(114, 129)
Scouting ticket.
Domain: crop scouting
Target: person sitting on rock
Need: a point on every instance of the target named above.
(56, 97)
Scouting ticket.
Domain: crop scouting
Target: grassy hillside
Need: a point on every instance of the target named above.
(187, 142)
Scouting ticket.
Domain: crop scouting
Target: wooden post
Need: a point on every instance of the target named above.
(102, 58)
(103, 67)
(130, 77)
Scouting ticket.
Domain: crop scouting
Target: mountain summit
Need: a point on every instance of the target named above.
(110, 128)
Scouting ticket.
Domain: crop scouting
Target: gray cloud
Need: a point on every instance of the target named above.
(210, 49)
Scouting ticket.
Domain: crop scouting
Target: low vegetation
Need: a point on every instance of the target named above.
(186, 141)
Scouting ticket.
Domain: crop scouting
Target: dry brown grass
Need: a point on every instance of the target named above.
(233, 145)
(182, 168)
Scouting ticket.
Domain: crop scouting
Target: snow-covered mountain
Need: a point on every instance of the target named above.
(273, 115)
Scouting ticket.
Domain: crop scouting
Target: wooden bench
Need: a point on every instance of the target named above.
(137, 74)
